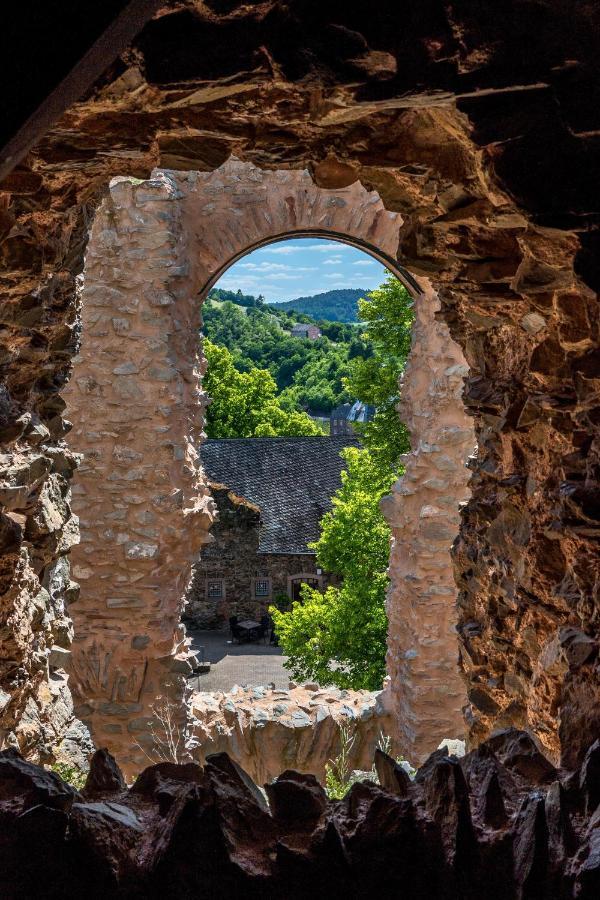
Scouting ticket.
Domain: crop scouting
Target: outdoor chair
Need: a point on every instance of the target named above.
(233, 629)
(266, 626)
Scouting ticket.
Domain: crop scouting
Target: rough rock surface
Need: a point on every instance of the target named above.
(37, 528)
(501, 822)
(423, 511)
(266, 731)
(482, 131)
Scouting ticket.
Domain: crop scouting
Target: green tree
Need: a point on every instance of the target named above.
(339, 637)
(388, 315)
(258, 337)
(245, 404)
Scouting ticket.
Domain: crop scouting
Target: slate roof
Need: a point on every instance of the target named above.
(291, 479)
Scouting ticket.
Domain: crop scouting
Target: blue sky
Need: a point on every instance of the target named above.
(300, 268)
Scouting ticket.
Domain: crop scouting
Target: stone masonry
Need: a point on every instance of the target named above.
(137, 405)
(144, 508)
(423, 512)
(481, 132)
(233, 558)
(267, 731)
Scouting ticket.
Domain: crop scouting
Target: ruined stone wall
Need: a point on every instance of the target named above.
(267, 731)
(144, 510)
(527, 556)
(37, 528)
(423, 513)
(136, 405)
(481, 131)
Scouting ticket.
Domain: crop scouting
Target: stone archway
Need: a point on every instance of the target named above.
(138, 406)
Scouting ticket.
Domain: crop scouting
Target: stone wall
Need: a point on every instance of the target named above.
(37, 529)
(233, 556)
(490, 167)
(267, 731)
(155, 248)
(423, 512)
(144, 509)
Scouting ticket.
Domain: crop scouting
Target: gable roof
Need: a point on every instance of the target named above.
(291, 479)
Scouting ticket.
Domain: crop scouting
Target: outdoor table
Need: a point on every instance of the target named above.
(250, 630)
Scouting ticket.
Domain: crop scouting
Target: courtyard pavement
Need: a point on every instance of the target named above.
(253, 664)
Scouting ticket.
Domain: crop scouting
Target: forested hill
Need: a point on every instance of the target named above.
(337, 306)
(309, 374)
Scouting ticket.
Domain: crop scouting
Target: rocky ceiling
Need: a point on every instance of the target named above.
(482, 126)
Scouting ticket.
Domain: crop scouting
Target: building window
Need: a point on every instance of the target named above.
(262, 587)
(215, 588)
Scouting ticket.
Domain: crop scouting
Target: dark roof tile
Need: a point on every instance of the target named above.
(291, 479)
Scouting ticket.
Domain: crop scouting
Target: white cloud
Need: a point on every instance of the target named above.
(334, 261)
(335, 275)
(286, 249)
(364, 262)
(262, 267)
(281, 276)
(325, 248)
(273, 267)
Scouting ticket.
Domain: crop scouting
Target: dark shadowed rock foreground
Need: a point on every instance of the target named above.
(500, 823)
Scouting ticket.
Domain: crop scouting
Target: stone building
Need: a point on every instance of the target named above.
(311, 332)
(270, 494)
(344, 416)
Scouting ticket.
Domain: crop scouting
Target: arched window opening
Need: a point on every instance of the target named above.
(139, 403)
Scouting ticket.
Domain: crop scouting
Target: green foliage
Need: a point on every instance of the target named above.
(335, 306)
(338, 775)
(388, 316)
(236, 297)
(310, 374)
(339, 637)
(245, 404)
(339, 778)
(282, 602)
(69, 774)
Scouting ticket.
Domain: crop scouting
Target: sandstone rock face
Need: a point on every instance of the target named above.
(36, 528)
(501, 822)
(423, 513)
(267, 731)
(489, 166)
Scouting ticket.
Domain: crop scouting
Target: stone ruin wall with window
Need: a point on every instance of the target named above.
(144, 504)
(233, 561)
(491, 171)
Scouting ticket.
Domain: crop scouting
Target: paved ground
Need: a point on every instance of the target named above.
(252, 664)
